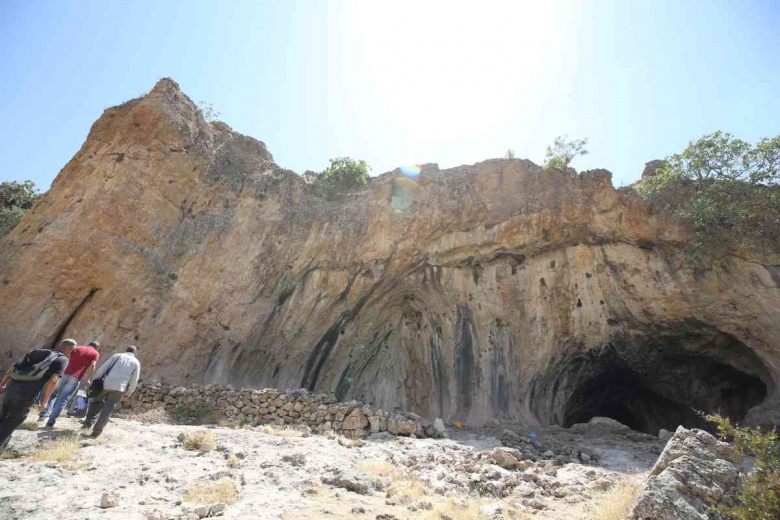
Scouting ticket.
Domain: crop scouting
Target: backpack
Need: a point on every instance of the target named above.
(34, 365)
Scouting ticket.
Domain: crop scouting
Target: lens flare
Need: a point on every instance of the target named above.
(405, 193)
(411, 171)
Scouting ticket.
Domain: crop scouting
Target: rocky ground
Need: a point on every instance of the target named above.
(143, 469)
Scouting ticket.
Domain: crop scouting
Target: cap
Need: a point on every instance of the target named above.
(94, 344)
(68, 342)
(132, 349)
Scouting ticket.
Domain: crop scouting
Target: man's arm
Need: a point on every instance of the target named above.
(90, 372)
(133, 380)
(47, 390)
(5, 379)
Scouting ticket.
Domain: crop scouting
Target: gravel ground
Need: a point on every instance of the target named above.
(145, 468)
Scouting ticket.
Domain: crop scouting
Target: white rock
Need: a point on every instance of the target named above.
(439, 428)
(491, 510)
(108, 500)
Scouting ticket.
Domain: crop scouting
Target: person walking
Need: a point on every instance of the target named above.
(116, 379)
(82, 361)
(39, 370)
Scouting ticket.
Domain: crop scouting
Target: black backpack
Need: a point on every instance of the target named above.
(34, 365)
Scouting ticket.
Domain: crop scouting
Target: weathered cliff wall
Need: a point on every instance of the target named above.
(481, 291)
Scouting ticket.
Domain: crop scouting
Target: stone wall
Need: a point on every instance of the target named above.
(319, 412)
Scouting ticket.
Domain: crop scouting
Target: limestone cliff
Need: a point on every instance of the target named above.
(492, 290)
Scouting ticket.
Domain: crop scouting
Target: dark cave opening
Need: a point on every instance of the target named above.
(664, 384)
(620, 394)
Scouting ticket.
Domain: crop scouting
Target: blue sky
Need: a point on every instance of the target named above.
(397, 82)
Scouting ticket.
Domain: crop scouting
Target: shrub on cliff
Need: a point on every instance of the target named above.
(725, 187)
(343, 175)
(563, 151)
(15, 199)
(759, 496)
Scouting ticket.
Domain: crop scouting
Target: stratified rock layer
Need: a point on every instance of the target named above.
(482, 291)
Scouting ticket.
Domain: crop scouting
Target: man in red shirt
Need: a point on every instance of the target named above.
(82, 361)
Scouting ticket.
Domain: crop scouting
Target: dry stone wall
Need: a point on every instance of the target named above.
(320, 412)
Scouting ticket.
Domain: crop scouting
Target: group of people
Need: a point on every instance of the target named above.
(55, 375)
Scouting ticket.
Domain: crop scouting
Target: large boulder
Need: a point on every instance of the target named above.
(399, 424)
(693, 474)
(356, 420)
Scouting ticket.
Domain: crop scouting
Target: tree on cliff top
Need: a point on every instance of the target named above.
(726, 188)
(15, 199)
(563, 151)
(343, 175)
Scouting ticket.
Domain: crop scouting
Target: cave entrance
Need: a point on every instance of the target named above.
(617, 392)
(660, 384)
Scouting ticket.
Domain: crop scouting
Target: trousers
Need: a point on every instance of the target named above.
(104, 404)
(62, 393)
(13, 411)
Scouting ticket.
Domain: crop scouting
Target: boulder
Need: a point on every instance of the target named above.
(351, 481)
(438, 427)
(401, 425)
(356, 420)
(507, 458)
(694, 473)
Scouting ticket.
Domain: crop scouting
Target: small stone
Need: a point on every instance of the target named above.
(491, 510)
(108, 500)
(218, 509)
(201, 511)
(358, 511)
(425, 505)
(156, 515)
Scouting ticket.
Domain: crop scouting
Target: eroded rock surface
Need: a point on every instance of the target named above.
(694, 474)
(490, 290)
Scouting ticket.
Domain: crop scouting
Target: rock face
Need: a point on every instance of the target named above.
(652, 167)
(694, 473)
(491, 290)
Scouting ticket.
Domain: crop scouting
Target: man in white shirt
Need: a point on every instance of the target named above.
(120, 377)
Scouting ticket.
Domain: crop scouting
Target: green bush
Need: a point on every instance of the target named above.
(15, 199)
(19, 194)
(563, 151)
(9, 218)
(343, 175)
(759, 497)
(725, 187)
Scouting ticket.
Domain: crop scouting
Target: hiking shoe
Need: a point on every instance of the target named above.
(86, 426)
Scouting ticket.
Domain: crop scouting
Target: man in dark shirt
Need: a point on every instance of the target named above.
(18, 396)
